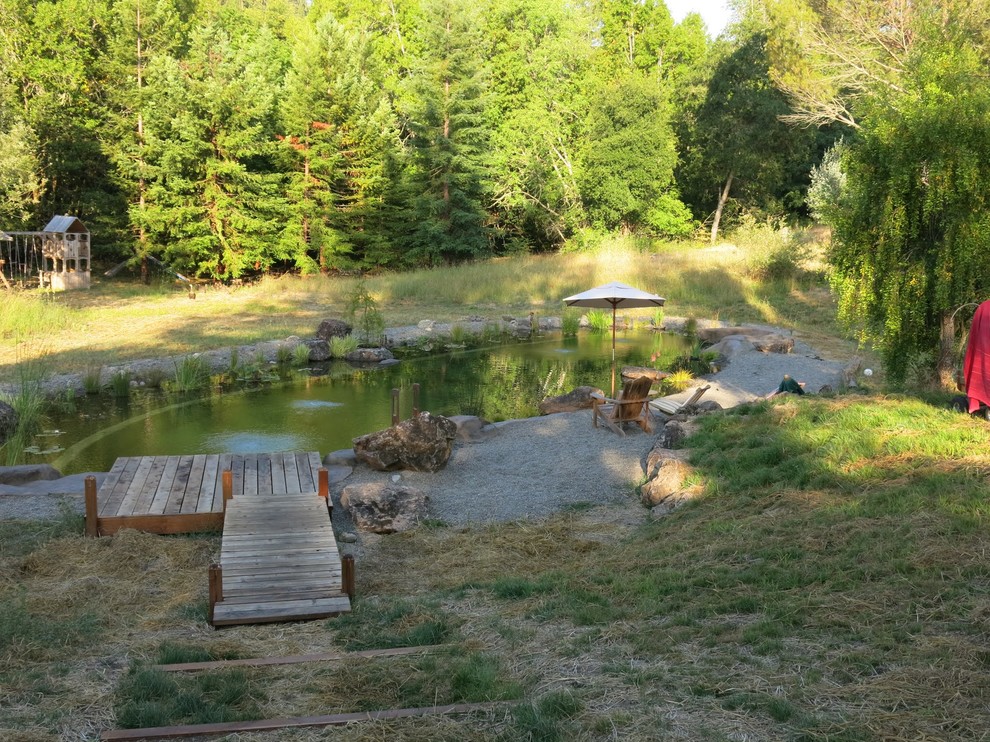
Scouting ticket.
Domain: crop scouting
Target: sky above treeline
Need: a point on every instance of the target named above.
(715, 13)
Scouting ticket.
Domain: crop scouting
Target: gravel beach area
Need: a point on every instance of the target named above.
(528, 468)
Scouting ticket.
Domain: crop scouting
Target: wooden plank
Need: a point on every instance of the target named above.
(237, 468)
(296, 659)
(295, 722)
(278, 475)
(257, 572)
(190, 498)
(283, 541)
(261, 565)
(211, 472)
(276, 581)
(227, 612)
(260, 544)
(264, 474)
(140, 495)
(163, 524)
(105, 497)
(222, 465)
(291, 473)
(248, 566)
(250, 476)
(160, 498)
(177, 491)
(307, 474)
(135, 485)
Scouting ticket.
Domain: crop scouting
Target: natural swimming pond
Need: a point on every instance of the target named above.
(325, 411)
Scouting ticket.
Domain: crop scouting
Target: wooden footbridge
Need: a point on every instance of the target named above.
(278, 559)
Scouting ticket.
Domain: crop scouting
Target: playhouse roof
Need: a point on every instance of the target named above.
(61, 223)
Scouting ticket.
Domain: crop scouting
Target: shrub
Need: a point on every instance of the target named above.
(570, 324)
(341, 346)
(599, 320)
(300, 354)
(191, 374)
(120, 384)
(364, 314)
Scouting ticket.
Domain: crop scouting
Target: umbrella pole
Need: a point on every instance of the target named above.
(613, 350)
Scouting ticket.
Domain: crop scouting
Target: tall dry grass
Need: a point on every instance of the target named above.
(728, 282)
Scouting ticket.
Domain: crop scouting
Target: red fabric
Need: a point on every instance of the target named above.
(976, 366)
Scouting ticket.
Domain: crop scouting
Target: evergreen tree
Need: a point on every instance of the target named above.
(444, 108)
(627, 162)
(54, 50)
(216, 196)
(141, 31)
(341, 130)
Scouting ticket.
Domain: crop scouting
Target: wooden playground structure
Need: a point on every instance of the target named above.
(58, 257)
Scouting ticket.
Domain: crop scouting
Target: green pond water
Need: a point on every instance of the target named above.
(324, 412)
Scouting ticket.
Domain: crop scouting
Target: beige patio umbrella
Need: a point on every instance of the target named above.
(617, 296)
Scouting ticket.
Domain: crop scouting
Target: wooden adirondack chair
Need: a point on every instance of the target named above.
(632, 406)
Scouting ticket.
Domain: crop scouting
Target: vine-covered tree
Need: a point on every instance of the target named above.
(913, 233)
(538, 60)
(909, 79)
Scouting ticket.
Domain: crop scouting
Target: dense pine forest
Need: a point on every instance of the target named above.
(235, 137)
(230, 138)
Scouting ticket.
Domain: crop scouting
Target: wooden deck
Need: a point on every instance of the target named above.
(278, 562)
(184, 494)
(278, 558)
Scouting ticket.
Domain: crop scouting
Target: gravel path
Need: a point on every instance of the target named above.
(525, 468)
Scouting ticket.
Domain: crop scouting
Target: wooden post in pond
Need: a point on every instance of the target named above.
(92, 520)
(324, 490)
(216, 587)
(395, 407)
(228, 487)
(415, 390)
(347, 574)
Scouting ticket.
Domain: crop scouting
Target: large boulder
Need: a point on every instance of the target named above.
(666, 473)
(20, 475)
(774, 344)
(421, 443)
(674, 432)
(576, 399)
(384, 507)
(370, 355)
(333, 328)
(319, 350)
(8, 422)
(717, 334)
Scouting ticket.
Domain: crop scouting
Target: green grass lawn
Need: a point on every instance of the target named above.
(830, 583)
